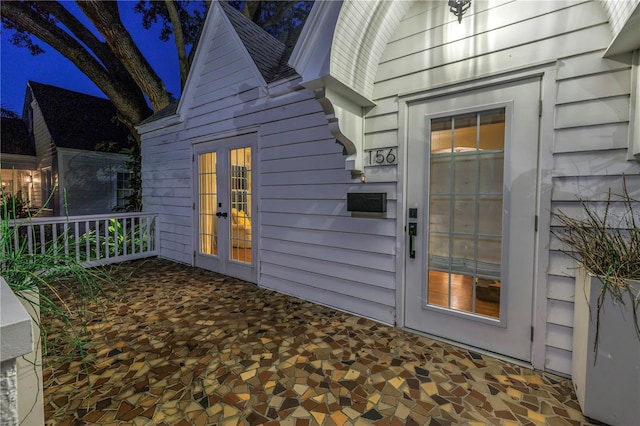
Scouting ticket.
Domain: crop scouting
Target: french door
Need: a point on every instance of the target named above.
(471, 194)
(225, 206)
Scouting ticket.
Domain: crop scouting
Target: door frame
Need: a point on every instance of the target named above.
(547, 74)
(252, 136)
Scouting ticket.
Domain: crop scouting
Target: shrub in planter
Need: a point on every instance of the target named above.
(606, 244)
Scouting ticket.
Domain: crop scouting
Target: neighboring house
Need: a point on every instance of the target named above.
(464, 137)
(69, 156)
(18, 158)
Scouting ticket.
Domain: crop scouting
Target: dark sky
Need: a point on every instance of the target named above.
(17, 65)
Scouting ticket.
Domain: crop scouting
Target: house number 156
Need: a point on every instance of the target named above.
(381, 156)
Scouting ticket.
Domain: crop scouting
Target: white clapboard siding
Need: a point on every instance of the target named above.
(362, 258)
(592, 138)
(373, 280)
(559, 336)
(326, 191)
(280, 142)
(495, 27)
(590, 63)
(590, 115)
(597, 111)
(561, 288)
(316, 162)
(355, 305)
(515, 35)
(309, 237)
(594, 163)
(296, 150)
(605, 85)
(381, 139)
(594, 188)
(549, 49)
(331, 239)
(294, 123)
(338, 287)
(310, 245)
(323, 222)
(558, 360)
(41, 136)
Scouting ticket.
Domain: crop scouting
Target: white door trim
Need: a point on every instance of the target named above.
(547, 73)
(229, 141)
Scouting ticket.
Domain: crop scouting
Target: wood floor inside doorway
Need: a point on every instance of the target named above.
(461, 294)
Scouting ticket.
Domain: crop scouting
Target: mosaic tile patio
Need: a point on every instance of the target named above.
(184, 346)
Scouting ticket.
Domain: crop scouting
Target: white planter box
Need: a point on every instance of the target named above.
(609, 390)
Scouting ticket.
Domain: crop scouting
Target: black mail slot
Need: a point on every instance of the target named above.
(371, 202)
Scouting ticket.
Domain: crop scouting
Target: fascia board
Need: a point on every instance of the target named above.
(209, 29)
(312, 54)
(159, 124)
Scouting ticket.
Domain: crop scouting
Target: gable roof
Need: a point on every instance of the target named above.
(79, 121)
(267, 52)
(15, 139)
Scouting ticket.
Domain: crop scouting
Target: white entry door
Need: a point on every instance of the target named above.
(471, 215)
(225, 208)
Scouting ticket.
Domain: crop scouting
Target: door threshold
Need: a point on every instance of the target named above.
(500, 357)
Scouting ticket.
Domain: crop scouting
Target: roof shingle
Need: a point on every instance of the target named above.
(79, 121)
(14, 137)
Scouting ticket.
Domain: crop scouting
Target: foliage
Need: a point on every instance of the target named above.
(607, 245)
(119, 239)
(192, 14)
(12, 207)
(55, 284)
(134, 201)
(276, 17)
(7, 113)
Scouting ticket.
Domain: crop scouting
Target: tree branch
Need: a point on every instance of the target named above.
(178, 36)
(105, 16)
(283, 8)
(132, 107)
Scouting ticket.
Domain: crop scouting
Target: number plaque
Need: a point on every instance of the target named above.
(381, 156)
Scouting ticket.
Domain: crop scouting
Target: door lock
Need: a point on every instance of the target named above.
(413, 231)
(223, 214)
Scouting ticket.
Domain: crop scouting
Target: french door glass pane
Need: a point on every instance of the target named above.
(465, 212)
(240, 176)
(208, 203)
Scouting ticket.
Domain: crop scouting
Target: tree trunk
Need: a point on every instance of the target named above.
(106, 18)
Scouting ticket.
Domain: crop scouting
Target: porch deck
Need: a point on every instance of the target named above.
(182, 346)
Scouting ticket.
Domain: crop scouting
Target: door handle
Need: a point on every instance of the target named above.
(413, 231)
(223, 214)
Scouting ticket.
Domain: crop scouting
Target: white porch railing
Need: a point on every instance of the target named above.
(92, 239)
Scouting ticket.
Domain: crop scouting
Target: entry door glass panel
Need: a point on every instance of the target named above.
(208, 203)
(240, 200)
(465, 210)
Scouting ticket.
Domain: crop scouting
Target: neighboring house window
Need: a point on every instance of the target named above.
(47, 189)
(123, 190)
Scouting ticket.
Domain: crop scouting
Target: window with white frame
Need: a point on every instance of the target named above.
(123, 190)
(46, 188)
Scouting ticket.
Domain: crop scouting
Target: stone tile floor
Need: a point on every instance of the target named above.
(184, 346)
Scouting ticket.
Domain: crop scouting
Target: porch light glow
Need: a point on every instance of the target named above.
(459, 8)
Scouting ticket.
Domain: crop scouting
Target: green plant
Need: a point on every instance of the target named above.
(55, 284)
(13, 206)
(115, 241)
(607, 243)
